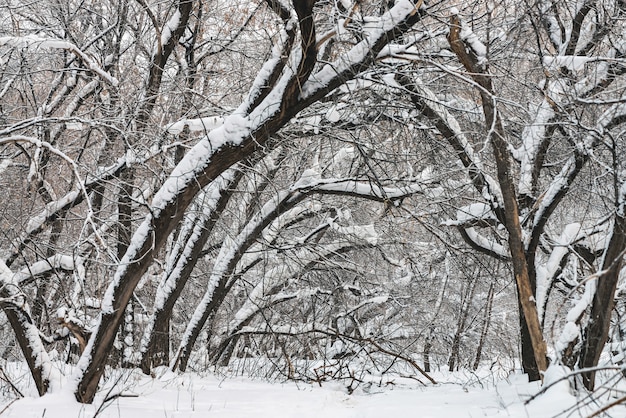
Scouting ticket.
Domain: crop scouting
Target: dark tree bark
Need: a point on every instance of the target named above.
(163, 219)
(596, 332)
(20, 322)
(497, 137)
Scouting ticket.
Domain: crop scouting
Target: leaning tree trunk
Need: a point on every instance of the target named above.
(497, 136)
(596, 332)
(156, 349)
(273, 106)
(21, 322)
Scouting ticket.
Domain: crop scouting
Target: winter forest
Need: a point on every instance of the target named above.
(313, 190)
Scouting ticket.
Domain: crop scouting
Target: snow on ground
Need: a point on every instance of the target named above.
(191, 395)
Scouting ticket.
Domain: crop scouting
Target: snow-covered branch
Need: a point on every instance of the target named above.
(381, 32)
(27, 334)
(561, 183)
(191, 238)
(241, 134)
(447, 124)
(546, 271)
(56, 208)
(30, 41)
(56, 262)
(264, 294)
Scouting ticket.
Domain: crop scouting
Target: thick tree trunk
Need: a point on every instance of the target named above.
(525, 291)
(529, 364)
(158, 353)
(203, 164)
(596, 332)
(497, 137)
(20, 322)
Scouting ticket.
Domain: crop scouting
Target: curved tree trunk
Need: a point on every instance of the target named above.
(156, 344)
(202, 164)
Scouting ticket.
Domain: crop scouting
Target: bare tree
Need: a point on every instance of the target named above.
(225, 167)
(517, 187)
(290, 81)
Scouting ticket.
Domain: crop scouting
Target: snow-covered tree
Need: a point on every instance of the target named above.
(116, 68)
(540, 113)
(228, 178)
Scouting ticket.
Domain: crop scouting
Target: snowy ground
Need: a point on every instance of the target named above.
(191, 395)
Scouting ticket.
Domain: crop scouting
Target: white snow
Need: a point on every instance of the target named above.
(31, 332)
(534, 135)
(571, 330)
(573, 63)
(344, 154)
(466, 216)
(472, 40)
(335, 113)
(553, 26)
(377, 28)
(5, 273)
(269, 67)
(235, 128)
(366, 233)
(170, 26)
(487, 243)
(170, 395)
(547, 270)
(37, 221)
(308, 177)
(475, 211)
(58, 261)
(35, 41)
(205, 125)
(4, 164)
(364, 188)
